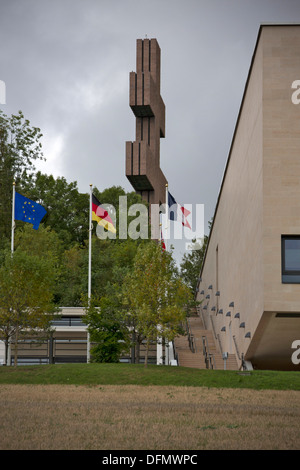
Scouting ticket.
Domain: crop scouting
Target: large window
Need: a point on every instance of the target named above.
(290, 258)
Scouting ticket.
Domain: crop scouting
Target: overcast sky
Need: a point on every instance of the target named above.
(66, 65)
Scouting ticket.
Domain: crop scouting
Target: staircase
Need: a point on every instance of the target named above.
(190, 348)
(186, 357)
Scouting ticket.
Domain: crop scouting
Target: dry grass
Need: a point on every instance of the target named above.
(69, 417)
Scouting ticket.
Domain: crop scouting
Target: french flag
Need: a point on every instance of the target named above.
(178, 212)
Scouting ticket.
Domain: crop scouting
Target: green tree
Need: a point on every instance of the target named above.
(192, 261)
(73, 280)
(45, 243)
(20, 146)
(26, 291)
(108, 331)
(112, 196)
(67, 208)
(154, 295)
(111, 258)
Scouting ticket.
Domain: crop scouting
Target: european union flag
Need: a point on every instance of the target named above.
(28, 210)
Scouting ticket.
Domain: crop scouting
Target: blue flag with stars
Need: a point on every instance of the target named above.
(28, 210)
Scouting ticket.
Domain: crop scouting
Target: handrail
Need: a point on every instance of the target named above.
(203, 319)
(191, 342)
(202, 316)
(205, 352)
(213, 326)
(220, 344)
(212, 357)
(191, 339)
(236, 347)
(208, 357)
(175, 353)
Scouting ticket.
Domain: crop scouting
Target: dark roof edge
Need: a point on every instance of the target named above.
(278, 24)
(262, 25)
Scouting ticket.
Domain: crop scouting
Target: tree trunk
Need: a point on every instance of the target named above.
(146, 353)
(137, 352)
(16, 349)
(133, 348)
(6, 350)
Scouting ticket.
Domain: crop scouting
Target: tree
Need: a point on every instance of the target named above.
(131, 201)
(46, 244)
(67, 208)
(26, 292)
(154, 295)
(192, 263)
(19, 147)
(107, 329)
(73, 280)
(112, 261)
(111, 258)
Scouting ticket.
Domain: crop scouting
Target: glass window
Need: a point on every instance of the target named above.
(291, 259)
(68, 321)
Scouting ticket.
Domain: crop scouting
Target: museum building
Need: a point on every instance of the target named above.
(249, 284)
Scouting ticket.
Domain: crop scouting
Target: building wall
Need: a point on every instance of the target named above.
(237, 232)
(259, 201)
(68, 344)
(281, 164)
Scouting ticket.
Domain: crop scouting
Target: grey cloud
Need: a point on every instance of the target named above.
(66, 65)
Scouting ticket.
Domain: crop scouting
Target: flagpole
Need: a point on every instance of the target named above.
(166, 248)
(8, 358)
(13, 218)
(159, 351)
(90, 269)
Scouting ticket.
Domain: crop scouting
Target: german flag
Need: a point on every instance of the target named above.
(101, 215)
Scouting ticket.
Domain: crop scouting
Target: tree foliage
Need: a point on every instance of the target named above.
(67, 209)
(45, 244)
(192, 261)
(26, 290)
(191, 266)
(49, 267)
(20, 147)
(155, 296)
(108, 331)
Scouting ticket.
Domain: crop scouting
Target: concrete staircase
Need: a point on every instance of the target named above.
(186, 357)
(196, 359)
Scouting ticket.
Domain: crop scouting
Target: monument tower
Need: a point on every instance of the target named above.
(143, 155)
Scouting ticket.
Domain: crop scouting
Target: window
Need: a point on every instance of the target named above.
(290, 250)
(68, 321)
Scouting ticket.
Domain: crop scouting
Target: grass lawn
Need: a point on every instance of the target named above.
(132, 374)
(117, 407)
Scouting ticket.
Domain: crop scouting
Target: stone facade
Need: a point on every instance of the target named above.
(255, 314)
